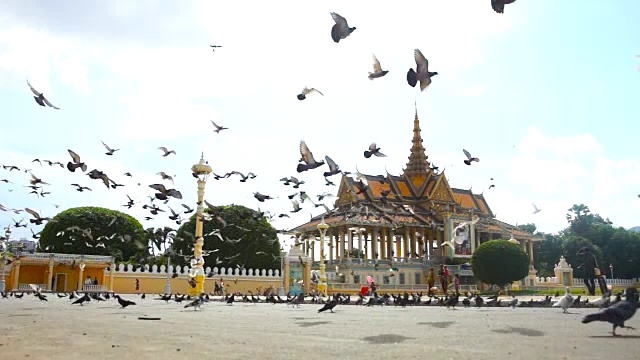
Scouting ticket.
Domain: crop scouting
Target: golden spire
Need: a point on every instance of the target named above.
(418, 164)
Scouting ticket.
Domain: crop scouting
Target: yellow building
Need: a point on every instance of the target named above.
(404, 224)
(59, 272)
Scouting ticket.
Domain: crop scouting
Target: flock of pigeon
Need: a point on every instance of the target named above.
(615, 311)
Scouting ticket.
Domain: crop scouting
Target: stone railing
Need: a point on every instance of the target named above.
(70, 257)
(184, 271)
(28, 287)
(548, 280)
(94, 288)
(615, 282)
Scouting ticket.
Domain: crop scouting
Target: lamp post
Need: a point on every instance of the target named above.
(322, 284)
(5, 249)
(201, 172)
(167, 285)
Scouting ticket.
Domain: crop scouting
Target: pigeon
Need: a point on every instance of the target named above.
(166, 151)
(565, 302)
(124, 303)
(373, 150)
(195, 304)
(421, 73)
(498, 5)
(218, 127)
(377, 69)
(164, 193)
(40, 99)
(329, 306)
(535, 209)
(76, 163)
(164, 176)
(307, 157)
(261, 197)
(333, 167)
(110, 151)
(341, 29)
(617, 313)
(306, 91)
(470, 158)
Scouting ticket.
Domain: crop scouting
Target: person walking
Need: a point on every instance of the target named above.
(443, 274)
(589, 264)
(456, 283)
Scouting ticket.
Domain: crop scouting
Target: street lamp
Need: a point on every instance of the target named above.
(322, 284)
(5, 249)
(611, 269)
(201, 172)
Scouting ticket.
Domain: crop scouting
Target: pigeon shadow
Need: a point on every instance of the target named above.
(386, 339)
(439, 325)
(313, 323)
(520, 331)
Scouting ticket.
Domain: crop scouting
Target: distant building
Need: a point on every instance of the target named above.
(23, 245)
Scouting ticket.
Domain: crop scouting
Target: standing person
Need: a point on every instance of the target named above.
(95, 281)
(589, 263)
(443, 274)
(216, 288)
(456, 283)
(221, 287)
(373, 288)
(431, 280)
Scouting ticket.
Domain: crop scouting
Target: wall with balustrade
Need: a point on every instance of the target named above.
(153, 279)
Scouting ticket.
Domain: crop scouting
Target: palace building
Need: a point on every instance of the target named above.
(403, 222)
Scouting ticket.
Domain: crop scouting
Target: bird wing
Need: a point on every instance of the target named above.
(158, 187)
(33, 90)
(424, 83)
(306, 154)
(421, 62)
(49, 103)
(105, 146)
(316, 90)
(467, 154)
(33, 213)
(376, 65)
(163, 149)
(332, 164)
(74, 156)
(373, 147)
(342, 22)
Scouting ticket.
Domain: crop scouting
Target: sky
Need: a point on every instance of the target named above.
(546, 95)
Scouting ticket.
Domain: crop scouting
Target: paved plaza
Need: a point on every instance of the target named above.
(55, 329)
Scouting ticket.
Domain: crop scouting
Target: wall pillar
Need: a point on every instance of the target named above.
(16, 275)
(112, 272)
(50, 275)
(80, 277)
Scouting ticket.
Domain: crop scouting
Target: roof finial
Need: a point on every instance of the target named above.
(418, 164)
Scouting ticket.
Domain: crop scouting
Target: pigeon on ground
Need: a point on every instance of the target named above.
(617, 313)
(329, 306)
(40, 99)
(470, 158)
(421, 73)
(498, 5)
(341, 29)
(124, 303)
(306, 91)
(565, 302)
(377, 69)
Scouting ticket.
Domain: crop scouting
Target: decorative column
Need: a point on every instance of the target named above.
(530, 243)
(409, 248)
(390, 239)
(313, 252)
(383, 246)
(472, 237)
(112, 272)
(201, 171)
(439, 250)
(341, 248)
(374, 244)
(350, 245)
(50, 274)
(448, 227)
(367, 247)
(400, 252)
(331, 246)
(80, 276)
(322, 284)
(361, 255)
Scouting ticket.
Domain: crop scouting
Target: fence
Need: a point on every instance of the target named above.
(614, 282)
(180, 270)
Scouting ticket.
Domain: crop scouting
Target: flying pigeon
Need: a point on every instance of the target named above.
(469, 157)
(166, 151)
(333, 167)
(110, 151)
(535, 209)
(421, 73)
(306, 91)
(617, 313)
(341, 29)
(377, 69)
(307, 157)
(40, 99)
(76, 163)
(373, 150)
(498, 5)
(218, 127)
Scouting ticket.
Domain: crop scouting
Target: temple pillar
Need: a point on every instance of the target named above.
(530, 244)
(374, 244)
(350, 244)
(390, 238)
(423, 247)
(361, 255)
(367, 250)
(399, 250)
(16, 275)
(312, 251)
(472, 237)
(331, 246)
(50, 275)
(439, 250)
(412, 243)
(383, 244)
(341, 247)
(407, 253)
(448, 227)
(112, 272)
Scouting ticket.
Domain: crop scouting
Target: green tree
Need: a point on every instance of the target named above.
(581, 220)
(547, 253)
(623, 252)
(158, 241)
(249, 240)
(530, 228)
(499, 262)
(570, 247)
(94, 231)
